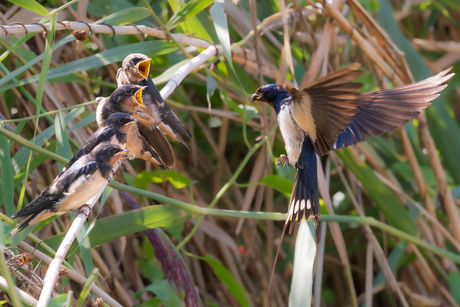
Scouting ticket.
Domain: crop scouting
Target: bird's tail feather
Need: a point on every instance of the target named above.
(304, 202)
(24, 225)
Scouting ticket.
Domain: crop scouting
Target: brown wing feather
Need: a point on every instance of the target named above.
(384, 110)
(325, 108)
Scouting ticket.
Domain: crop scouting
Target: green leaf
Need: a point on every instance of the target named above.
(62, 145)
(32, 5)
(25, 67)
(454, 285)
(178, 180)
(163, 290)
(117, 54)
(86, 289)
(383, 196)
(126, 16)
(61, 300)
(220, 24)
(120, 225)
(191, 9)
(304, 261)
(104, 7)
(7, 176)
(279, 183)
(227, 278)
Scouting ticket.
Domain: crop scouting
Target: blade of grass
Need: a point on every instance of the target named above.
(6, 272)
(62, 140)
(7, 176)
(32, 5)
(40, 89)
(86, 288)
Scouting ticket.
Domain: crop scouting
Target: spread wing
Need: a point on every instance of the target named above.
(385, 110)
(155, 139)
(326, 107)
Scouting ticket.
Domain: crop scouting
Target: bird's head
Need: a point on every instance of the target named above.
(273, 94)
(109, 153)
(127, 98)
(136, 66)
(121, 121)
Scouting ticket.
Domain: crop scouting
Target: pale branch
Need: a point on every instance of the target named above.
(70, 273)
(23, 295)
(53, 269)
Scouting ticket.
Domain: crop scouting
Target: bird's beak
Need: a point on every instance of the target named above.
(131, 123)
(255, 97)
(123, 153)
(144, 68)
(138, 96)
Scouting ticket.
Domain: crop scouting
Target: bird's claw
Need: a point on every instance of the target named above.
(80, 210)
(281, 158)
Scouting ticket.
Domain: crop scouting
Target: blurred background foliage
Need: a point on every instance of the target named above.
(389, 179)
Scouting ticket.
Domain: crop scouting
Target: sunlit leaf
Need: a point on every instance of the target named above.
(227, 278)
(304, 261)
(190, 9)
(120, 225)
(177, 179)
(163, 290)
(31, 5)
(220, 23)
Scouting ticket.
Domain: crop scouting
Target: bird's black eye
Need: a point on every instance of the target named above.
(129, 91)
(135, 60)
(122, 120)
(111, 151)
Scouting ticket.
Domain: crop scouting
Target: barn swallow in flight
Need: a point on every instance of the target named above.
(135, 70)
(81, 182)
(115, 132)
(330, 114)
(145, 140)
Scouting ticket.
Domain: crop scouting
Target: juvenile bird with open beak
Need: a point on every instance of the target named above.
(114, 132)
(81, 182)
(330, 114)
(145, 140)
(135, 70)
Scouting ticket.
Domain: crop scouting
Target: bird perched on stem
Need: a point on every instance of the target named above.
(81, 182)
(114, 132)
(135, 70)
(145, 140)
(330, 114)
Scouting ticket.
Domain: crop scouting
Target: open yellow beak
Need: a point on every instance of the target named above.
(144, 68)
(138, 96)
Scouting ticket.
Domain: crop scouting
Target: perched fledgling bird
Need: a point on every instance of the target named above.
(145, 140)
(135, 70)
(330, 114)
(81, 182)
(115, 132)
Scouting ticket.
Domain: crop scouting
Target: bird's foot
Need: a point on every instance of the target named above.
(281, 158)
(81, 209)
